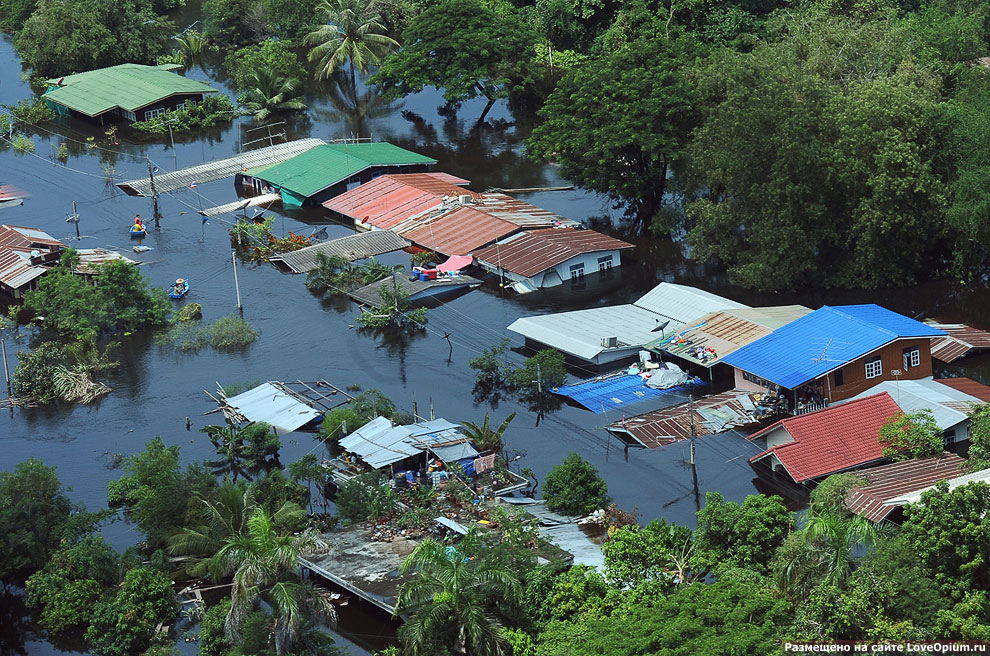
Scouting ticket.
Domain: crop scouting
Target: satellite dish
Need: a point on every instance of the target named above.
(661, 326)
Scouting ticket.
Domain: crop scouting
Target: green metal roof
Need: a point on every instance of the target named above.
(309, 173)
(128, 86)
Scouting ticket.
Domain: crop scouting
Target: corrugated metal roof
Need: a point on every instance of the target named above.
(832, 440)
(523, 214)
(682, 303)
(886, 482)
(352, 247)
(390, 199)
(24, 237)
(959, 341)
(950, 406)
(273, 405)
(532, 252)
(379, 443)
(219, 169)
(417, 289)
(967, 386)
(580, 332)
(460, 232)
(720, 333)
(16, 244)
(16, 269)
(609, 392)
(237, 205)
(128, 86)
(673, 424)
(982, 476)
(824, 340)
(309, 173)
(89, 258)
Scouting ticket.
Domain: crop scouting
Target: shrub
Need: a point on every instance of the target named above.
(492, 366)
(23, 143)
(224, 334)
(215, 108)
(366, 496)
(31, 112)
(547, 366)
(574, 487)
(272, 55)
(34, 376)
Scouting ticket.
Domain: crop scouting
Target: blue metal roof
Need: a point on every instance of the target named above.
(822, 341)
(603, 395)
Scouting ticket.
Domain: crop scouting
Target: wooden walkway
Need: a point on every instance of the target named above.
(352, 247)
(218, 169)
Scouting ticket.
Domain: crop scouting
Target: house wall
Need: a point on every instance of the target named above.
(891, 356)
(778, 436)
(561, 273)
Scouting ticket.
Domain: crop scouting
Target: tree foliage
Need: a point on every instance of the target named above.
(911, 435)
(271, 55)
(353, 33)
(979, 439)
(547, 366)
(739, 536)
(73, 36)
(464, 48)
(128, 624)
(34, 512)
(574, 487)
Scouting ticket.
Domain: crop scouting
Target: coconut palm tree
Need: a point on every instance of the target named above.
(264, 563)
(353, 33)
(834, 540)
(455, 601)
(270, 92)
(192, 45)
(222, 518)
(484, 436)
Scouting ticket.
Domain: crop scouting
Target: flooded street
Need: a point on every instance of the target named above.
(301, 337)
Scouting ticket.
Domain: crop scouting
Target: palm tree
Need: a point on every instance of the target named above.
(192, 44)
(222, 518)
(270, 92)
(834, 540)
(353, 33)
(454, 600)
(484, 437)
(264, 563)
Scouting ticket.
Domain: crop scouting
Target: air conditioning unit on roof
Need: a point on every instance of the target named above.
(610, 342)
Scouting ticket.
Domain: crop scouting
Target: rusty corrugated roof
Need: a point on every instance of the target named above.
(959, 341)
(389, 199)
(889, 481)
(967, 386)
(534, 251)
(460, 232)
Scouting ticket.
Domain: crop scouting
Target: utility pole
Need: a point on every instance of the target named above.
(75, 218)
(6, 372)
(395, 300)
(691, 414)
(237, 285)
(154, 192)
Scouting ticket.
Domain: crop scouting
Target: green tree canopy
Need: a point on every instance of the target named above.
(354, 33)
(656, 552)
(464, 48)
(979, 439)
(911, 435)
(616, 123)
(128, 624)
(574, 487)
(72, 36)
(34, 511)
(732, 535)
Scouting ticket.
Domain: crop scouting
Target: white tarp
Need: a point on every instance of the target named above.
(273, 406)
(668, 375)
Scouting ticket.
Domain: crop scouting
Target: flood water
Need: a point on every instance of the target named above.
(156, 389)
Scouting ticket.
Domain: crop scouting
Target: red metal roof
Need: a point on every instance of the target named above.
(460, 232)
(390, 199)
(967, 386)
(961, 339)
(539, 250)
(16, 244)
(898, 478)
(24, 237)
(832, 440)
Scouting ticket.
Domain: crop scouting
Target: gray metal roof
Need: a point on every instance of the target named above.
(417, 289)
(564, 532)
(219, 169)
(352, 247)
(379, 443)
(244, 203)
(274, 406)
(949, 406)
(580, 332)
(455, 452)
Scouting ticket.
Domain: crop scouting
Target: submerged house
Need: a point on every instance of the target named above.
(880, 495)
(126, 92)
(835, 353)
(617, 332)
(327, 170)
(817, 444)
(536, 259)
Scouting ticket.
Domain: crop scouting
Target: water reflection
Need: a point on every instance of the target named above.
(353, 108)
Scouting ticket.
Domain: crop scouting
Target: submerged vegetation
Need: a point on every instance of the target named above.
(227, 333)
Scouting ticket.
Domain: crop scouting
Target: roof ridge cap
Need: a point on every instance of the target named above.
(864, 322)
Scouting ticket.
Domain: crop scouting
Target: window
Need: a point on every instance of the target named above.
(180, 106)
(153, 113)
(129, 115)
(839, 378)
(605, 263)
(949, 437)
(912, 357)
(757, 380)
(577, 271)
(874, 368)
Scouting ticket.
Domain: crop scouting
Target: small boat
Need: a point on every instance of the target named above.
(138, 232)
(11, 196)
(179, 289)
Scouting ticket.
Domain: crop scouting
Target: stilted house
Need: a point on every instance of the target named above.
(126, 92)
(327, 170)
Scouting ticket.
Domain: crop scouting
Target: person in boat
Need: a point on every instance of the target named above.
(137, 222)
(180, 285)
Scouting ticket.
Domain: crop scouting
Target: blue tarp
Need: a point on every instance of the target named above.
(603, 395)
(822, 341)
